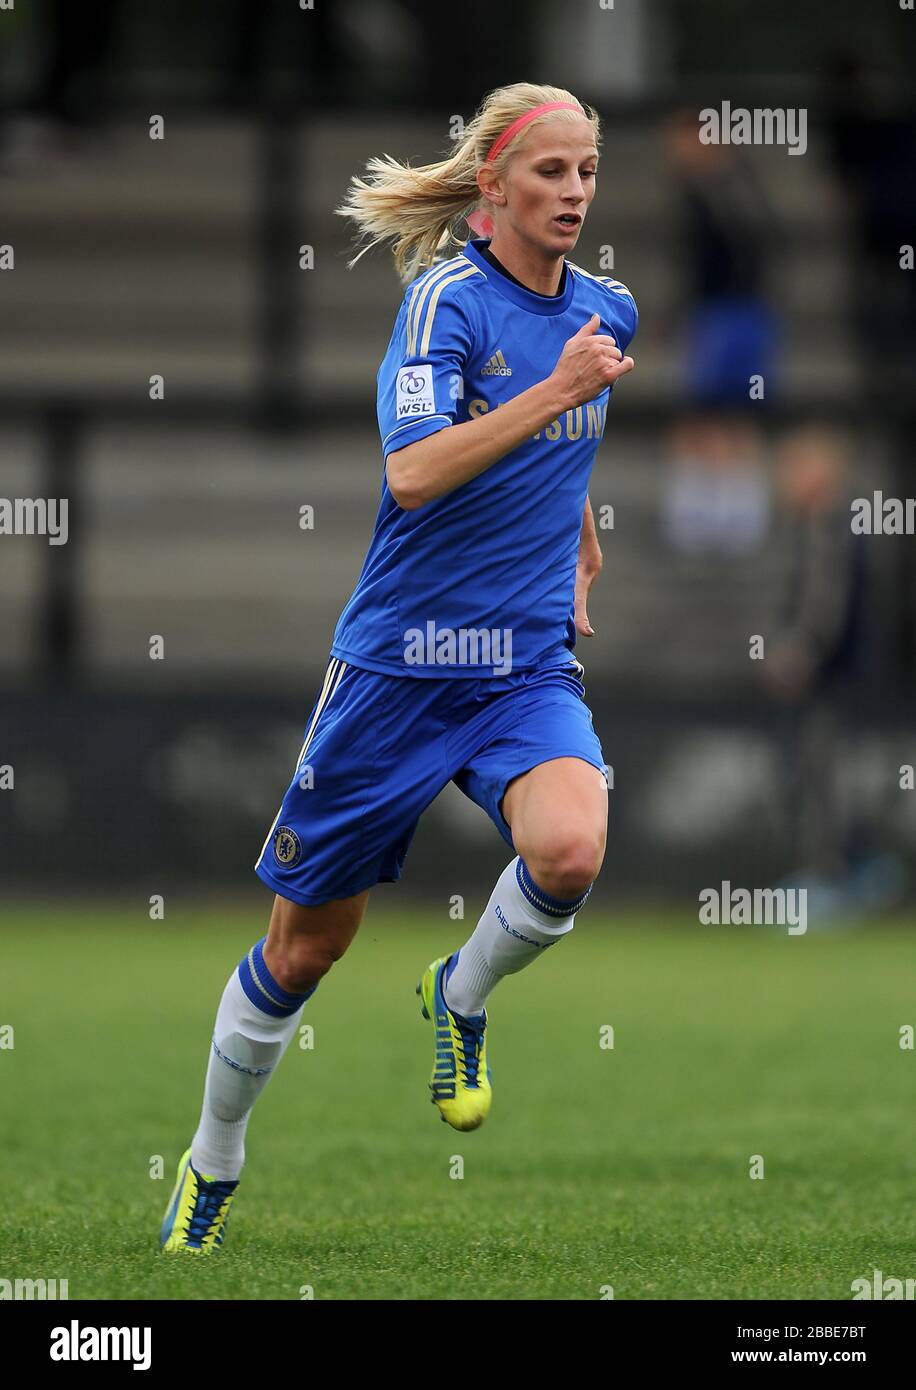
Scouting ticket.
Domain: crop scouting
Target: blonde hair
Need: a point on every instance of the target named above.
(416, 207)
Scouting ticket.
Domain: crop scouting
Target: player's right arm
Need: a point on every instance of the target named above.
(435, 465)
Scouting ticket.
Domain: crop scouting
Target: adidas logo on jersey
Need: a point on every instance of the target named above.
(497, 366)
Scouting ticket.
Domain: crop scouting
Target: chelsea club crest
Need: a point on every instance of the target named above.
(287, 848)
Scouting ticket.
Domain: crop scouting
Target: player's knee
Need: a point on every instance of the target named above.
(304, 942)
(566, 865)
(301, 961)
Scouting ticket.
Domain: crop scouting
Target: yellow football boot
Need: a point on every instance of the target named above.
(461, 1078)
(198, 1209)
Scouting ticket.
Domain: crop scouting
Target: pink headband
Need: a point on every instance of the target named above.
(511, 131)
(481, 222)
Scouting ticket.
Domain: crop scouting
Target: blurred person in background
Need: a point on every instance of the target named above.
(351, 53)
(819, 652)
(716, 495)
(871, 129)
(730, 330)
(72, 87)
(716, 492)
(871, 132)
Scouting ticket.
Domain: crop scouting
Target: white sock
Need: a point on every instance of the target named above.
(512, 932)
(255, 1023)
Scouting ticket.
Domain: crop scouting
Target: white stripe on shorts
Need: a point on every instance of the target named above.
(332, 679)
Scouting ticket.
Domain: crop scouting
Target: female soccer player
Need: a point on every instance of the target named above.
(453, 658)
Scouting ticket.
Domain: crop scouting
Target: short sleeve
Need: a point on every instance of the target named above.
(421, 381)
(627, 313)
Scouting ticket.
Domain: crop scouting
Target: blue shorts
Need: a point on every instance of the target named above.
(379, 749)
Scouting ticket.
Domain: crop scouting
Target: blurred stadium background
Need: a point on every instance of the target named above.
(180, 256)
(731, 518)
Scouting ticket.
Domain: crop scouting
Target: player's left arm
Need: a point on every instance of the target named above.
(588, 567)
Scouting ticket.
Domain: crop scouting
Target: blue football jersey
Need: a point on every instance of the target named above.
(481, 580)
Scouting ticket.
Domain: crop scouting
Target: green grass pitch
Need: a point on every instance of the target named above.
(625, 1167)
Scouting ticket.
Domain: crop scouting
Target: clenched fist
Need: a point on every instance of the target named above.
(589, 362)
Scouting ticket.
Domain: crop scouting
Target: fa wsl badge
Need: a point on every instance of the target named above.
(414, 393)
